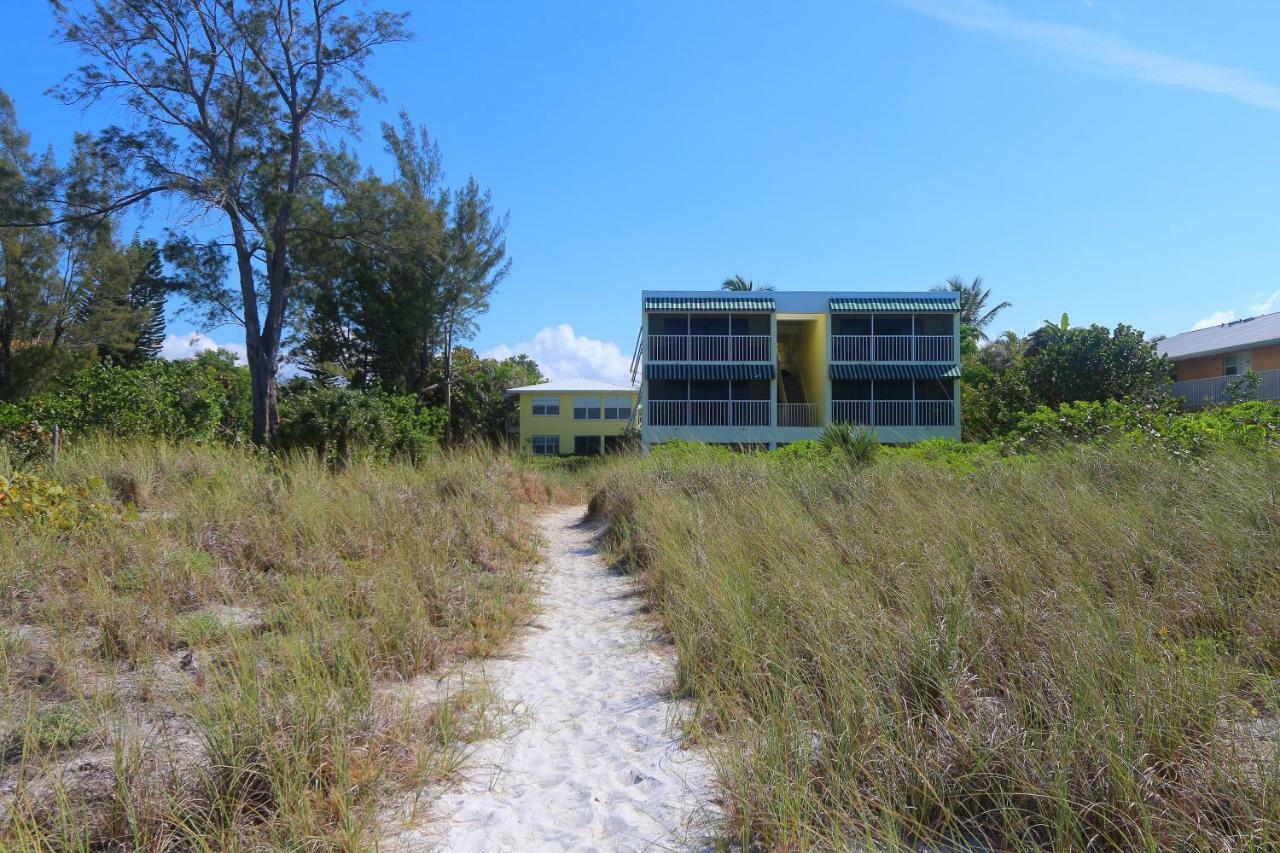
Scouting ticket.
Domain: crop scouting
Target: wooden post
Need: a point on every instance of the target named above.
(56, 441)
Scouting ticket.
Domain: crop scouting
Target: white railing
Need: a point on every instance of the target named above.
(926, 413)
(1206, 392)
(709, 348)
(797, 415)
(892, 348)
(707, 413)
(851, 412)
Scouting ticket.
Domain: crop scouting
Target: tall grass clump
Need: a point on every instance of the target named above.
(198, 646)
(1077, 650)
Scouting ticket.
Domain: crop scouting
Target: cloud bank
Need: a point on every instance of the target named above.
(564, 354)
(177, 347)
(1104, 51)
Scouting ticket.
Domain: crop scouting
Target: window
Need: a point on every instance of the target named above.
(586, 445)
(614, 443)
(853, 324)
(546, 445)
(546, 406)
(934, 324)
(586, 408)
(617, 408)
(1231, 364)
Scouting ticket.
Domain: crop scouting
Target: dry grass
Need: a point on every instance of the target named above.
(203, 668)
(1079, 651)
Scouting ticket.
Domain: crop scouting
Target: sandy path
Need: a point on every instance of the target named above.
(593, 760)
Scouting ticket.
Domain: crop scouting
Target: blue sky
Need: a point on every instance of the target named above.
(1114, 159)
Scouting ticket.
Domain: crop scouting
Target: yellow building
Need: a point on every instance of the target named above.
(574, 416)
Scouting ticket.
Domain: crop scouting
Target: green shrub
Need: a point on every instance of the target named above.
(1158, 424)
(337, 422)
(200, 399)
(851, 444)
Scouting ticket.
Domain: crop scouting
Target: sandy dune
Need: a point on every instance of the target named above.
(592, 760)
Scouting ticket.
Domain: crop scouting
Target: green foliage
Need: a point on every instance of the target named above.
(28, 499)
(1158, 424)
(852, 445)
(200, 399)
(335, 423)
(1243, 388)
(1055, 364)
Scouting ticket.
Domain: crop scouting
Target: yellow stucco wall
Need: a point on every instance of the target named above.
(563, 425)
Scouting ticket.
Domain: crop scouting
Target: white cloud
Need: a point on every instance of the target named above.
(189, 346)
(1267, 305)
(1104, 51)
(563, 354)
(1217, 318)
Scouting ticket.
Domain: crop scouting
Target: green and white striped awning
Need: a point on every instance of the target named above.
(895, 371)
(708, 303)
(708, 371)
(939, 304)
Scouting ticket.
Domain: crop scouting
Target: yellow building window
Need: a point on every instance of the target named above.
(546, 406)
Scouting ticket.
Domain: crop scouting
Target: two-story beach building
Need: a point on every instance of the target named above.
(575, 417)
(768, 368)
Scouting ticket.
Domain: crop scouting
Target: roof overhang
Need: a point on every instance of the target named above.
(709, 303)
(916, 304)
(1219, 350)
(895, 371)
(709, 371)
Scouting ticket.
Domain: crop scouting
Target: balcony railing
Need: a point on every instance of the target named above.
(707, 413)
(1197, 393)
(892, 348)
(797, 415)
(921, 413)
(709, 348)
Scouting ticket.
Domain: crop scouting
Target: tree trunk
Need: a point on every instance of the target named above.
(448, 384)
(262, 378)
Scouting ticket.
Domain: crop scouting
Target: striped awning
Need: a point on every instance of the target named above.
(708, 303)
(895, 371)
(708, 371)
(941, 304)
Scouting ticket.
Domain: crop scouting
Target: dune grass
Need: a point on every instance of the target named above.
(199, 660)
(1076, 651)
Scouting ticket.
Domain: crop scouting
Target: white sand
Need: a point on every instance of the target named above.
(593, 760)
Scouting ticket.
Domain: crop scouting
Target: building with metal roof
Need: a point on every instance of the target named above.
(1210, 361)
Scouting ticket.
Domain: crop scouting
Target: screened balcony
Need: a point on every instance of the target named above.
(893, 337)
(894, 402)
(708, 403)
(709, 337)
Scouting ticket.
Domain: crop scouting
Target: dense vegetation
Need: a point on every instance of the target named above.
(200, 647)
(1063, 650)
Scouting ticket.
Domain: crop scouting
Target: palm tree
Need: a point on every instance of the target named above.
(973, 303)
(740, 283)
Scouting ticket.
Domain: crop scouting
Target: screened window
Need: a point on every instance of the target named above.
(546, 406)
(1231, 364)
(617, 408)
(934, 324)
(546, 445)
(893, 324)
(586, 445)
(586, 408)
(854, 324)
